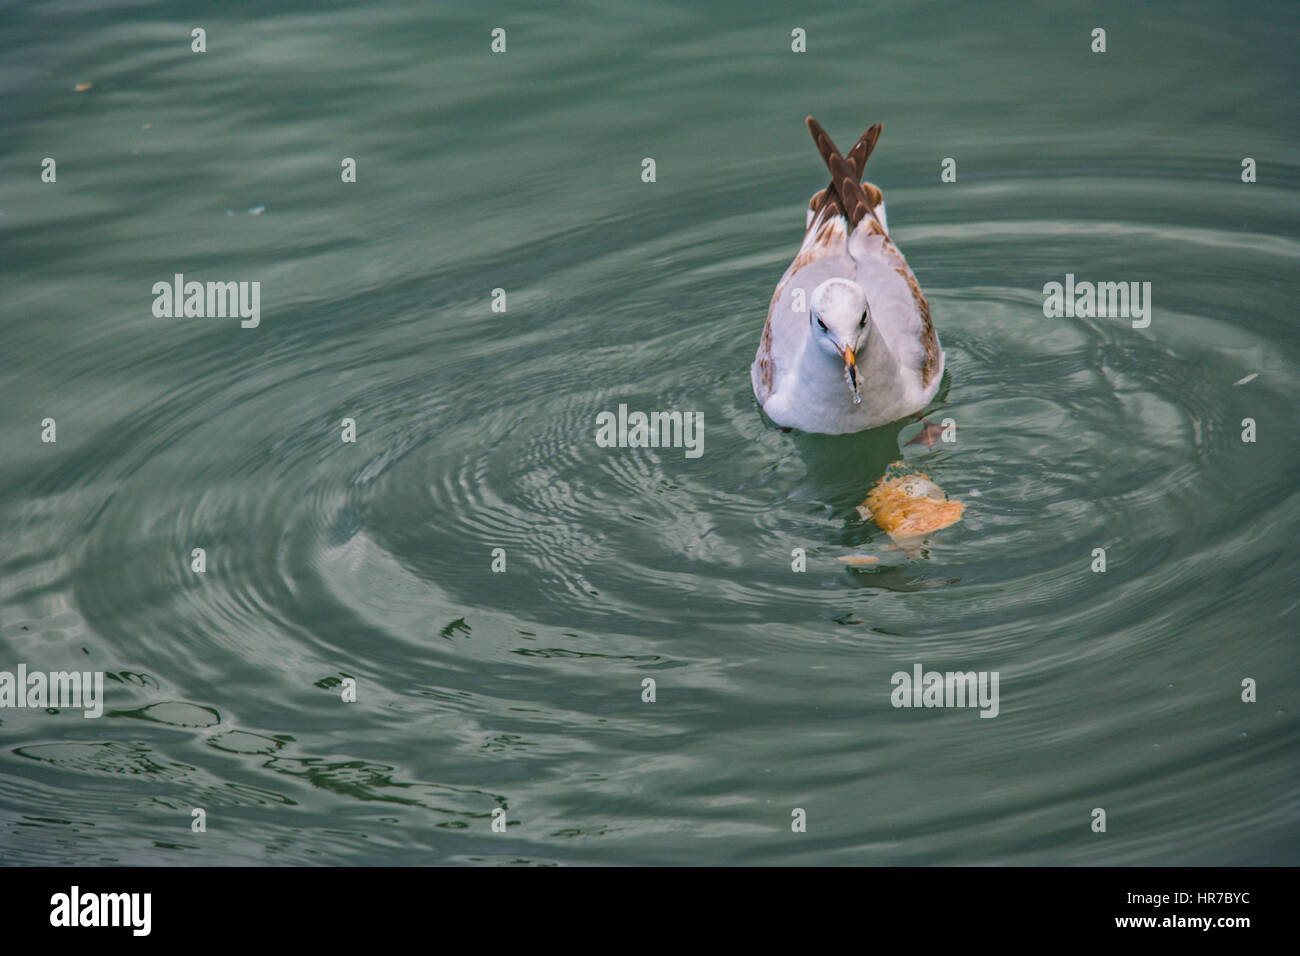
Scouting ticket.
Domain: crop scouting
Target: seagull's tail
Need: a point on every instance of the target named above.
(849, 197)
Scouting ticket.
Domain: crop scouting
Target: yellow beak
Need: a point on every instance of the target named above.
(849, 358)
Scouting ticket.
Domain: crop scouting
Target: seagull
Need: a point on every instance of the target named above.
(848, 344)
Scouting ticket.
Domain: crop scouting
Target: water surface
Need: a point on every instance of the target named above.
(475, 431)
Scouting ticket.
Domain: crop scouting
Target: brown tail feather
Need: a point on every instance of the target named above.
(844, 193)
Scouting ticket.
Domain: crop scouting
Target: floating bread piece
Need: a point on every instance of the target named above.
(858, 559)
(907, 504)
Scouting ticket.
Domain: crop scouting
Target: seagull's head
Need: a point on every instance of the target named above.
(839, 320)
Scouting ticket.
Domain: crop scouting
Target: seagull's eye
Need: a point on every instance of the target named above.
(822, 324)
(863, 320)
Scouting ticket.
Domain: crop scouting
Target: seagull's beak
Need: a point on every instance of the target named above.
(851, 372)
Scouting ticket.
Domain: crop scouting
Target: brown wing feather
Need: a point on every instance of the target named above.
(826, 146)
(844, 192)
(863, 149)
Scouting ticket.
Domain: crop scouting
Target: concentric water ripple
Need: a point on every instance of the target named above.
(477, 690)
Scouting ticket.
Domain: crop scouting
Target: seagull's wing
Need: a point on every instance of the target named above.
(898, 308)
(823, 255)
(852, 166)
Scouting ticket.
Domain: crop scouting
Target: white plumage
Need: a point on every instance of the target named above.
(862, 351)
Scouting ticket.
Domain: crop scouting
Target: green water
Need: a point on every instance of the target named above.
(475, 430)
